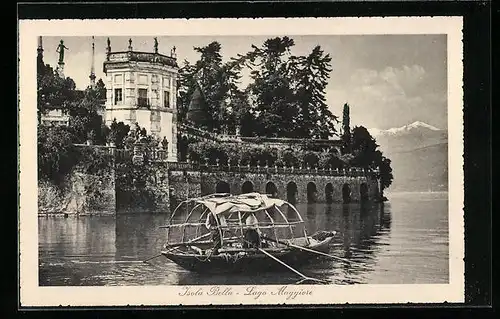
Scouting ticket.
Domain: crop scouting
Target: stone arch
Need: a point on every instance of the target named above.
(346, 193)
(222, 187)
(247, 187)
(311, 192)
(291, 192)
(363, 192)
(271, 190)
(329, 193)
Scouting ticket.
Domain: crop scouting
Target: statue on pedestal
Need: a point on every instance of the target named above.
(60, 49)
(164, 143)
(156, 45)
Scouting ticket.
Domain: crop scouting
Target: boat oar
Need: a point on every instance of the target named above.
(309, 250)
(156, 256)
(281, 262)
(289, 267)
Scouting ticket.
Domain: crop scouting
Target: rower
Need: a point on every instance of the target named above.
(252, 236)
(213, 226)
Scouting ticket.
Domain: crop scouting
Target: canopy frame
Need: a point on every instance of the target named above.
(198, 202)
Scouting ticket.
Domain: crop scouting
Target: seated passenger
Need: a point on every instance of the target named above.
(252, 236)
(215, 233)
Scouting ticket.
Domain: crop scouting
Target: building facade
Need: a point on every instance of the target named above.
(56, 117)
(141, 88)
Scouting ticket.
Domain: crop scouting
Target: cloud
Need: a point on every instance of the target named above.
(392, 96)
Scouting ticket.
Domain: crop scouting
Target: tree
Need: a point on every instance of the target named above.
(311, 74)
(271, 91)
(386, 175)
(212, 81)
(346, 130)
(290, 158)
(363, 147)
(84, 116)
(365, 154)
(56, 153)
(101, 90)
(118, 133)
(329, 160)
(53, 92)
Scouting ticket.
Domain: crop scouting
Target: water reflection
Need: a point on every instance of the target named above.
(404, 241)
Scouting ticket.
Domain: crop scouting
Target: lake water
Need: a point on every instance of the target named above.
(402, 241)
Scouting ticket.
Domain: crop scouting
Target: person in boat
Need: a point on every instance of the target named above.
(215, 234)
(213, 226)
(252, 235)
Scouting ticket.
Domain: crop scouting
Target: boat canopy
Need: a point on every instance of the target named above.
(245, 203)
(195, 217)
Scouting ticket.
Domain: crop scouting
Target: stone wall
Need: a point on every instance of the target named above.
(165, 184)
(151, 198)
(79, 194)
(309, 187)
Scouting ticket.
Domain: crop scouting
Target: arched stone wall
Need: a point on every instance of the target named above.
(271, 189)
(329, 193)
(203, 183)
(223, 187)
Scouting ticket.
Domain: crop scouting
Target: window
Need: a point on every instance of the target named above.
(142, 100)
(118, 96)
(166, 99)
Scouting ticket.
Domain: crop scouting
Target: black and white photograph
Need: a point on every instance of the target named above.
(240, 164)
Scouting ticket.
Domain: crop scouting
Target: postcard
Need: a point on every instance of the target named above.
(171, 162)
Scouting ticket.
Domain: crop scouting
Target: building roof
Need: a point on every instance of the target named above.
(136, 56)
(196, 113)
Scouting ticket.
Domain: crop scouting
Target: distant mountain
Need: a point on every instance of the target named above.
(417, 125)
(419, 155)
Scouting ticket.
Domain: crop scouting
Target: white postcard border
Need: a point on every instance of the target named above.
(33, 295)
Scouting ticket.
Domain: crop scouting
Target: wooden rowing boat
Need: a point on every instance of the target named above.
(241, 233)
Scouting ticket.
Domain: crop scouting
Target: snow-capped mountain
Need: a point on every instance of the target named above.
(419, 155)
(403, 129)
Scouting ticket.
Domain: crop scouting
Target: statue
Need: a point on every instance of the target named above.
(130, 44)
(172, 52)
(156, 45)
(60, 50)
(164, 143)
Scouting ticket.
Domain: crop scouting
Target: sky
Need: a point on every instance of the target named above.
(388, 80)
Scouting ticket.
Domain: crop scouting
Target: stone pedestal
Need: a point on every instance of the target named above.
(60, 70)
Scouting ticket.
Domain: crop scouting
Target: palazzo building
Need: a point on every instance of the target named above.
(141, 88)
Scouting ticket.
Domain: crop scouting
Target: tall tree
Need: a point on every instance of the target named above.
(366, 154)
(101, 90)
(272, 96)
(346, 129)
(386, 175)
(186, 86)
(214, 82)
(311, 73)
(364, 147)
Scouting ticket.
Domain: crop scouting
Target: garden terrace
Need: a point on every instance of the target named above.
(281, 143)
(351, 172)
